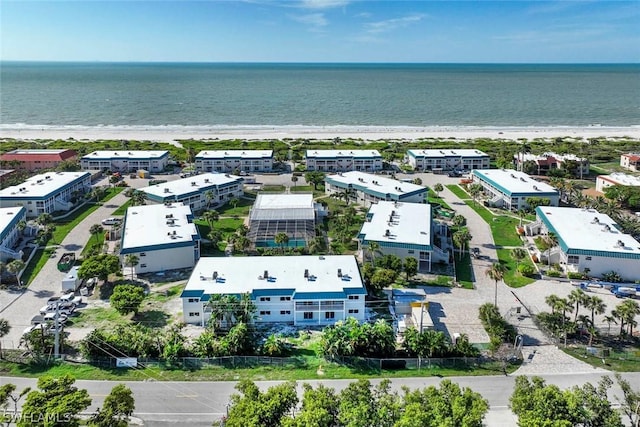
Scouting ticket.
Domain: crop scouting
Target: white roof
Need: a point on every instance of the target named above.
(238, 275)
(43, 184)
(535, 157)
(148, 225)
(7, 215)
(514, 182)
(447, 152)
(586, 229)
(125, 154)
(375, 183)
(243, 154)
(283, 206)
(621, 179)
(192, 184)
(406, 223)
(343, 153)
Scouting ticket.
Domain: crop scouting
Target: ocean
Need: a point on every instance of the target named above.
(189, 94)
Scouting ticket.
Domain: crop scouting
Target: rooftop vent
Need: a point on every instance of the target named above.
(206, 180)
(513, 176)
(522, 179)
(620, 244)
(266, 274)
(174, 232)
(339, 272)
(215, 275)
(306, 273)
(168, 216)
(193, 183)
(595, 220)
(535, 187)
(606, 228)
(166, 190)
(387, 233)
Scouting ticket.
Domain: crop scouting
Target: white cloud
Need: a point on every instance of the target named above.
(392, 24)
(323, 4)
(315, 20)
(363, 15)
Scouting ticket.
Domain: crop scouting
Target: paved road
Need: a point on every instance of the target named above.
(199, 403)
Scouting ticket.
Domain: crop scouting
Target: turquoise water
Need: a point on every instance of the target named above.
(127, 94)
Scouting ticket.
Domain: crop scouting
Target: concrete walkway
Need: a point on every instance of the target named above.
(19, 308)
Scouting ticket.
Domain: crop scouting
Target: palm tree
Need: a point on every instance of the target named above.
(131, 260)
(5, 327)
(475, 190)
(95, 230)
(15, 267)
(373, 248)
(629, 309)
(281, 239)
(294, 179)
(596, 305)
(565, 306)
(577, 297)
(609, 320)
(459, 220)
(138, 198)
(521, 214)
(495, 273)
(437, 188)
(211, 217)
(44, 219)
(22, 224)
(208, 197)
(518, 254)
(552, 301)
(551, 239)
(461, 238)
(418, 181)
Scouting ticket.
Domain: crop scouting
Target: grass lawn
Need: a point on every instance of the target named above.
(503, 227)
(511, 276)
(434, 199)
(38, 261)
(272, 189)
(458, 191)
(619, 361)
(122, 209)
(94, 243)
(464, 272)
(97, 318)
(111, 193)
(242, 208)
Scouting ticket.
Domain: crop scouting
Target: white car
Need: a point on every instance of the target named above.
(40, 326)
(111, 221)
(51, 309)
(71, 298)
(51, 317)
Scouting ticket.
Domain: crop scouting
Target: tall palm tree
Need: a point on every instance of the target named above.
(44, 219)
(5, 328)
(475, 190)
(208, 197)
(15, 267)
(565, 306)
(577, 297)
(373, 248)
(521, 214)
(211, 217)
(95, 230)
(596, 305)
(281, 239)
(552, 301)
(629, 309)
(131, 260)
(518, 254)
(609, 320)
(459, 220)
(551, 240)
(495, 273)
(461, 238)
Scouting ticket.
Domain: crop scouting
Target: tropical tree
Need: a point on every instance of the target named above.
(138, 198)
(410, 267)
(609, 319)
(96, 230)
(518, 254)
(495, 273)
(459, 220)
(461, 238)
(131, 260)
(596, 305)
(99, 266)
(438, 188)
(281, 239)
(630, 403)
(211, 217)
(577, 297)
(208, 197)
(551, 241)
(127, 298)
(5, 328)
(44, 219)
(116, 409)
(315, 178)
(521, 215)
(373, 248)
(22, 224)
(294, 179)
(15, 267)
(475, 190)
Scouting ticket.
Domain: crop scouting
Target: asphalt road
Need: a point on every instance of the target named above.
(200, 403)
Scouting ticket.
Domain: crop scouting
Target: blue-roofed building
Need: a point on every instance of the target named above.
(343, 160)
(126, 161)
(366, 189)
(162, 237)
(195, 191)
(302, 290)
(10, 232)
(510, 189)
(588, 242)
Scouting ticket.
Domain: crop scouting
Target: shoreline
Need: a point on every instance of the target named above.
(367, 133)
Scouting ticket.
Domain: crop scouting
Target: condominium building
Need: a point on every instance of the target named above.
(47, 193)
(37, 159)
(343, 160)
(232, 161)
(10, 231)
(162, 237)
(302, 290)
(510, 189)
(366, 189)
(447, 159)
(617, 178)
(126, 161)
(630, 161)
(547, 161)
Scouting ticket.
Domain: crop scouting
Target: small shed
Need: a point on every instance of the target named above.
(71, 282)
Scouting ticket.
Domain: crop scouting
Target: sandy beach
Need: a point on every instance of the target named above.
(366, 133)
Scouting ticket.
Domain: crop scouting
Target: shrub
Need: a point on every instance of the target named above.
(553, 273)
(575, 275)
(499, 330)
(526, 270)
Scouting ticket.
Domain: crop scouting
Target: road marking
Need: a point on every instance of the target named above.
(187, 396)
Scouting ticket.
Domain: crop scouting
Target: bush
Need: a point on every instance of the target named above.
(499, 330)
(553, 273)
(526, 270)
(575, 275)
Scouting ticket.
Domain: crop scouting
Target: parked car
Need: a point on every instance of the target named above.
(71, 298)
(37, 319)
(52, 309)
(51, 317)
(41, 326)
(111, 221)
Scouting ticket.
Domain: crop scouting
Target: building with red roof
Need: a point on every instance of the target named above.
(34, 160)
(630, 161)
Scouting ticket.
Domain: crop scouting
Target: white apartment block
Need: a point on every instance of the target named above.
(126, 161)
(509, 189)
(404, 230)
(366, 189)
(47, 192)
(234, 160)
(447, 159)
(630, 161)
(546, 161)
(617, 178)
(162, 237)
(589, 240)
(302, 290)
(343, 160)
(194, 191)
(9, 231)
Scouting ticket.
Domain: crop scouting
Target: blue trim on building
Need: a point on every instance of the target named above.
(191, 293)
(367, 190)
(272, 292)
(509, 193)
(20, 215)
(149, 248)
(90, 158)
(318, 295)
(53, 192)
(385, 244)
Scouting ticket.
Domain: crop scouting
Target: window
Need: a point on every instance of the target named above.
(265, 313)
(193, 300)
(285, 312)
(588, 258)
(143, 265)
(354, 297)
(194, 314)
(353, 311)
(330, 315)
(573, 259)
(285, 298)
(410, 251)
(265, 298)
(307, 303)
(308, 315)
(143, 254)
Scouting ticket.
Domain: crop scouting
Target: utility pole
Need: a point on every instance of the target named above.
(56, 342)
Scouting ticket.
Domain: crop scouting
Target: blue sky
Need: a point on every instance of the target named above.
(321, 31)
